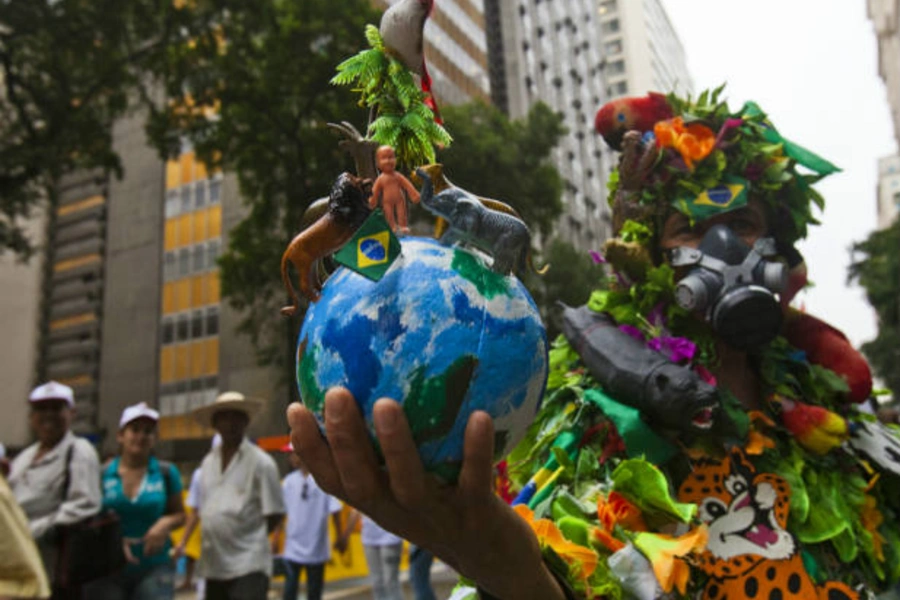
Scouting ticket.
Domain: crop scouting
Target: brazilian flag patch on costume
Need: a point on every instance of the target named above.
(372, 249)
(725, 197)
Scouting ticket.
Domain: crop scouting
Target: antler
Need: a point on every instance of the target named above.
(361, 149)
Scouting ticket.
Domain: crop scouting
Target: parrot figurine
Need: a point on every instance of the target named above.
(624, 114)
(826, 346)
(815, 428)
(402, 30)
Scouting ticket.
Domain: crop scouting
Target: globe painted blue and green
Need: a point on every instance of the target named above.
(442, 334)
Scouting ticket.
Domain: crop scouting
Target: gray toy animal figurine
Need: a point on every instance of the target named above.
(501, 235)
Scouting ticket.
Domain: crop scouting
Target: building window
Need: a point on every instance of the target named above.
(611, 26)
(607, 6)
(212, 320)
(212, 253)
(171, 203)
(199, 194)
(197, 324)
(170, 270)
(897, 199)
(617, 89)
(181, 329)
(184, 262)
(616, 67)
(215, 189)
(186, 199)
(168, 331)
(199, 258)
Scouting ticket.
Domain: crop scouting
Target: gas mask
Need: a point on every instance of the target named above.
(733, 285)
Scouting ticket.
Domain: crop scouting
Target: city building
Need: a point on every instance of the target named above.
(129, 306)
(550, 51)
(888, 190)
(885, 15)
(575, 56)
(641, 48)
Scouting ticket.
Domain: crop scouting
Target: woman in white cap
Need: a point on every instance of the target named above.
(56, 479)
(146, 494)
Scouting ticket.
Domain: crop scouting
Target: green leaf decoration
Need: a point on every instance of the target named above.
(644, 485)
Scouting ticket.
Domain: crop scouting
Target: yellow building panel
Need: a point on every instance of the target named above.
(173, 174)
(198, 291)
(198, 358)
(215, 294)
(212, 355)
(168, 298)
(185, 234)
(182, 295)
(186, 163)
(174, 427)
(200, 171)
(201, 226)
(78, 261)
(170, 233)
(76, 381)
(215, 221)
(182, 358)
(72, 321)
(89, 202)
(167, 364)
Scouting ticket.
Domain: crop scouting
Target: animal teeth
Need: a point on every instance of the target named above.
(755, 529)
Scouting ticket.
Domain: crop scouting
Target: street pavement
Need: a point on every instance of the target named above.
(443, 579)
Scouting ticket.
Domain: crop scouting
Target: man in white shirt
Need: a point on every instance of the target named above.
(56, 480)
(306, 531)
(240, 504)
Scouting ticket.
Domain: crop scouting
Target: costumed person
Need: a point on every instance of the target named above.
(698, 438)
(146, 495)
(392, 189)
(56, 480)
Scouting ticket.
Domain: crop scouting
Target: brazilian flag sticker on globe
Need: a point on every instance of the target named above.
(372, 249)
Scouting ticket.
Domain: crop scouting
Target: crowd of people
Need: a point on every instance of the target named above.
(235, 503)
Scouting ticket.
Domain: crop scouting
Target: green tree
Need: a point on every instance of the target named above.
(250, 91)
(507, 160)
(876, 266)
(571, 278)
(68, 69)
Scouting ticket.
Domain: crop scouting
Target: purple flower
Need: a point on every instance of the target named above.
(676, 349)
(597, 257)
(632, 331)
(727, 126)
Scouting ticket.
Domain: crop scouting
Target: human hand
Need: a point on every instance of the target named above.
(177, 552)
(126, 548)
(341, 544)
(463, 524)
(155, 539)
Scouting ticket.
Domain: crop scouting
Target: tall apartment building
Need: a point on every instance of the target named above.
(131, 306)
(642, 50)
(574, 55)
(885, 15)
(550, 51)
(888, 190)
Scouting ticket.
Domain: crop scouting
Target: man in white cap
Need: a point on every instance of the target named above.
(56, 480)
(239, 506)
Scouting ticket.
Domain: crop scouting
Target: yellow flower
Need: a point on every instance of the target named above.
(666, 554)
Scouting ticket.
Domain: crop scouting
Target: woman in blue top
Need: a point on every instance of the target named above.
(146, 494)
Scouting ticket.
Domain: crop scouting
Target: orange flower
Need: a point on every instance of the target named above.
(693, 142)
(666, 553)
(872, 519)
(618, 510)
(548, 534)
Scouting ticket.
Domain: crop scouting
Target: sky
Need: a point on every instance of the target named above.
(812, 65)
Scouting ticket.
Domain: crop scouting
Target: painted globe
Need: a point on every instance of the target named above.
(440, 333)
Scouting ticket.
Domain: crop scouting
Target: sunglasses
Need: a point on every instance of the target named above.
(304, 493)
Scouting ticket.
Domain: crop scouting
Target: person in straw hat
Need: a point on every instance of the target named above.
(240, 505)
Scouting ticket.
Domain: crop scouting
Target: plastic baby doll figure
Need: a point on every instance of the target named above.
(392, 189)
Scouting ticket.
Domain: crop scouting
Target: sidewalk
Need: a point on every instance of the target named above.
(443, 579)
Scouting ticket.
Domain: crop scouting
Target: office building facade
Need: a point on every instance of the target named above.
(885, 16)
(888, 190)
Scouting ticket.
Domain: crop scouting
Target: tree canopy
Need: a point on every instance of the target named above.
(250, 92)
(507, 160)
(68, 69)
(876, 266)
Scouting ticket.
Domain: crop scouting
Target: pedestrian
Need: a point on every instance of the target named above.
(240, 504)
(146, 494)
(306, 543)
(382, 549)
(420, 561)
(56, 480)
(22, 573)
